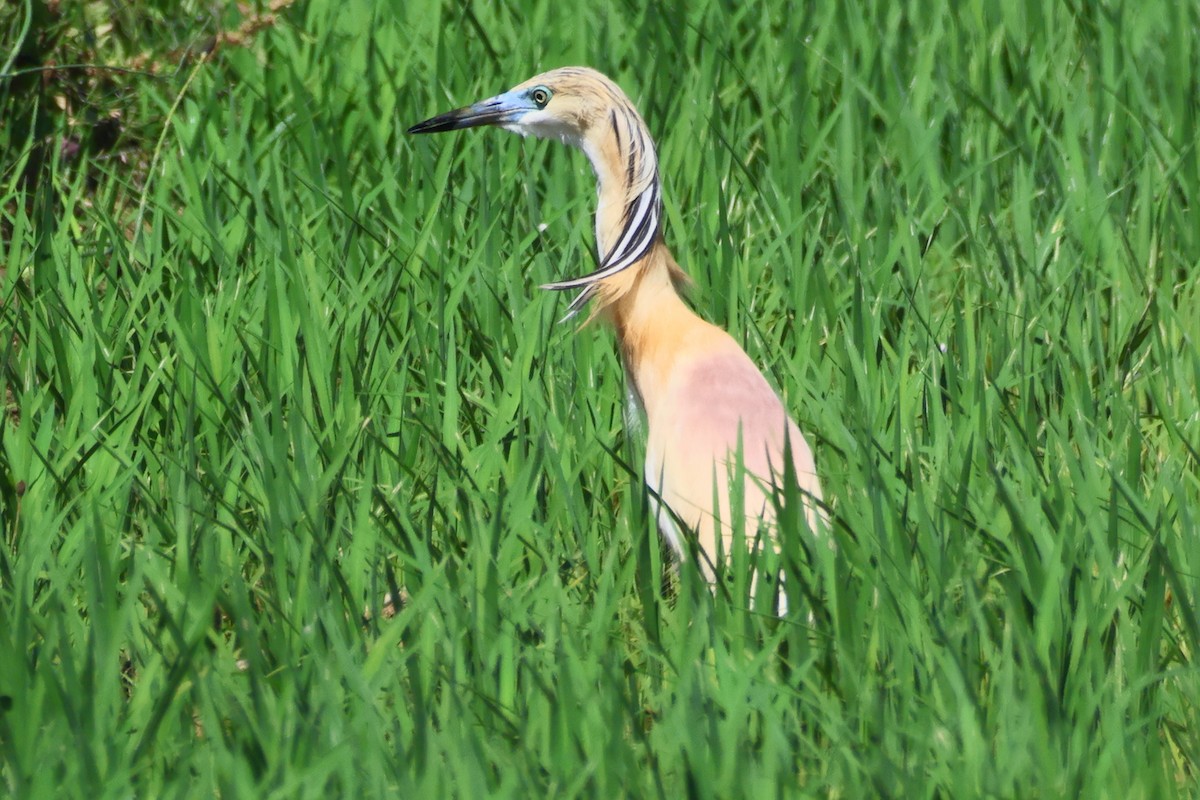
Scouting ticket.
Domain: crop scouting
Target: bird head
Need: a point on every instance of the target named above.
(560, 104)
(583, 108)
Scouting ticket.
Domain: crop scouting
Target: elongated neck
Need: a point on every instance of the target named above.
(627, 184)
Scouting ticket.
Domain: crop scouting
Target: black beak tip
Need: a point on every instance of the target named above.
(426, 126)
(450, 121)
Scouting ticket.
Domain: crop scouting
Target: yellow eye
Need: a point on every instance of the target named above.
(540, 96)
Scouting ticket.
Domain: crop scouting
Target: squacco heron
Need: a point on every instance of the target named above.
(712, 419)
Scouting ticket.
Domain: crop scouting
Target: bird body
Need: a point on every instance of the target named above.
(712, 419)
(703, 397)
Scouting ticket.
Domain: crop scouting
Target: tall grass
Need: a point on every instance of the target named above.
(268, 361)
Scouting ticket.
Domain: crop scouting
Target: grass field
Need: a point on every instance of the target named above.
(267, 359)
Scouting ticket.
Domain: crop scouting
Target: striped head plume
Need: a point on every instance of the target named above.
(583, 108)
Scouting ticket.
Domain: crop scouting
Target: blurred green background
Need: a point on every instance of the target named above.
(270, 366)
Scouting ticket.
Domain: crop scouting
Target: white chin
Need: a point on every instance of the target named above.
(545, 129)
(516, 127)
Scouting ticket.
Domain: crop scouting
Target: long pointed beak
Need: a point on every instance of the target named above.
(493, 111)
